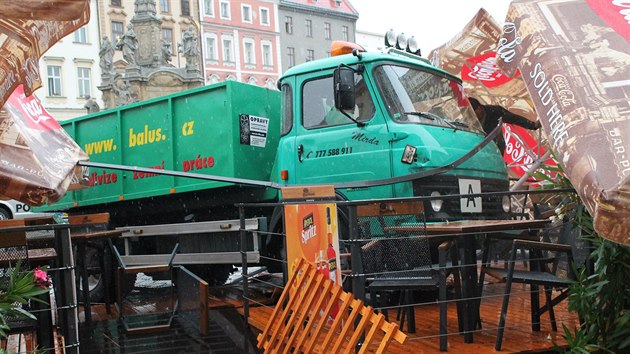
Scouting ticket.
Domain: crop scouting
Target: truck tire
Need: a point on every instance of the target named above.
(96, 282)
(5, 214)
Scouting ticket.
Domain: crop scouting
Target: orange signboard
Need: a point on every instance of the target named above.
(312, 234)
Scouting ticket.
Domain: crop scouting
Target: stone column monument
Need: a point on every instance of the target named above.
(148, 72)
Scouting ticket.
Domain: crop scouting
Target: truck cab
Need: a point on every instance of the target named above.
(365, 121)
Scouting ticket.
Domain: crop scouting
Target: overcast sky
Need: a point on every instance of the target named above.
(433, 22)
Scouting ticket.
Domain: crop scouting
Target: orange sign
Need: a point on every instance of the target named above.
(312, 234)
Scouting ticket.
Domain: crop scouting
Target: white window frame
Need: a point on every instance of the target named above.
(208, 8)
(54, 81)
(168, 6)
(327, 30)
(248, 43)
(227, 6)
(81, 35)
(291, 56)
(84, 82)
(212, 52)
(264, 19)
(229, 58)
(310, 55)
(267, 55)
(345, 32)
(309, 27)
(247, 9)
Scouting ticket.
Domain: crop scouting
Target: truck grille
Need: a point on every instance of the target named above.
(448, 185)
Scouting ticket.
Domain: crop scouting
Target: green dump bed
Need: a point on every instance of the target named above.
(228, 129)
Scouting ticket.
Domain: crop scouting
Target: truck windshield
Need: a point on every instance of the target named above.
(416, 96)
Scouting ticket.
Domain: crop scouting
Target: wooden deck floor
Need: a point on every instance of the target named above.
(105, 334)
(518, 338)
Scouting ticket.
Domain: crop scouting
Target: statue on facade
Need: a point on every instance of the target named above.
(106, 54)
(167, 53)
(189, 48)
(129, 45)
(142, 6)
(91, 105)
(123, 90)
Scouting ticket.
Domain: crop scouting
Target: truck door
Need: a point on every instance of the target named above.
(331, 148)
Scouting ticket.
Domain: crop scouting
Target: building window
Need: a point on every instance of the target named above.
(288, 24)
(211, 47)
(54, 80)
(248, 51)
(267, 58)
(208, 8)
(80, 35)
(264, 16)
(225, 10)
(345, 33)
(83, 79)
(228, 51)
(185, 7)
(117, 31)
(310, 55)
(246, 12)
(115, 2)
(309, 28)
(165, 7)
(291, 56)
(167, 35)
(327, 34)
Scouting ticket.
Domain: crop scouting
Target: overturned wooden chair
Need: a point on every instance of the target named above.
(315, 315)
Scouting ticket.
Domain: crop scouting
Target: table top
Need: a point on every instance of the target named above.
(478, 226)
(96, 234)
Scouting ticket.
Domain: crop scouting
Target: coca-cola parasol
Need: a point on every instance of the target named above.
(38, 160)
(471, 55)
(574, 57)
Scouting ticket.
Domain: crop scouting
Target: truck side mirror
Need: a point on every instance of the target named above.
(344, 88)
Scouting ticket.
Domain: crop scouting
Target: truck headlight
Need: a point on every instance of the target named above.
(390, 38)
(412, 46)
(507, 203)
(436, 204)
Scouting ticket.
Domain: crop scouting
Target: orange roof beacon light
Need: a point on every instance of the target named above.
(343, 47)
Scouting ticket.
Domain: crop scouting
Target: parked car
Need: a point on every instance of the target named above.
(13, 209)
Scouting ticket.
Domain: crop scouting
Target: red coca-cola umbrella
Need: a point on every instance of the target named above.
(574, 58)
(38, 160)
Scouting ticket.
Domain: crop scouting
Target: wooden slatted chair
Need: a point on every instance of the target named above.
(303, 320)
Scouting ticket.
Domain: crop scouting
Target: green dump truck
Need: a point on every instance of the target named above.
(374, 125)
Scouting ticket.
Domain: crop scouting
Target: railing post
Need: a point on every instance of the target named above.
(70, 316)
(243, 235)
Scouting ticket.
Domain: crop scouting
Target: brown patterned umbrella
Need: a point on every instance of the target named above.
(38, 160)
(471, 55)
(574, 57)
(27, 29)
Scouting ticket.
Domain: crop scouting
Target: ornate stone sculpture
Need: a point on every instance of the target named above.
(130, 45)
(106, 54)
(123, 90)
(167, 53)
(189, 48)
(91, 105)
